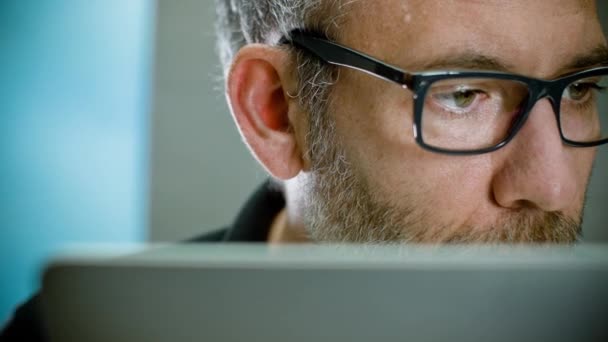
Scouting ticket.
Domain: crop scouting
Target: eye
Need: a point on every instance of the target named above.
(580, 91)
(458, 100)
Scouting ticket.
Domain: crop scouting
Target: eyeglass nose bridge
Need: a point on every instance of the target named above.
(539, 90)
(551, 90)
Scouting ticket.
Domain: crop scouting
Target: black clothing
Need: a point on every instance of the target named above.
(251, 225)
(254, 220)
(26, 324)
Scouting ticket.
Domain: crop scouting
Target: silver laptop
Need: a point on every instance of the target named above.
(330, 293)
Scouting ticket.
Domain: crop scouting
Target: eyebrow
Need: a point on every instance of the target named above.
(467, 60)
(595, 58)
(598, 56)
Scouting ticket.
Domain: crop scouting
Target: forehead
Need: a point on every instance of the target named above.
(537, 37)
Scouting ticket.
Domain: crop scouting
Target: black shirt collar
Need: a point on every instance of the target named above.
(255, 218)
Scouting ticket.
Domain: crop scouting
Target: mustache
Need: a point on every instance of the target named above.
(535, 227)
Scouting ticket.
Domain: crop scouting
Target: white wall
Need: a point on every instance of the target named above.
(202, 173)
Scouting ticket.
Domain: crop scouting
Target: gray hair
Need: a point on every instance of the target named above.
(241, 22)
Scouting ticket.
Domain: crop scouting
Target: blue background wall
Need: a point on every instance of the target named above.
(74, 93)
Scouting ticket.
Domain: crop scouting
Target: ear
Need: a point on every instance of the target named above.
(258, 88)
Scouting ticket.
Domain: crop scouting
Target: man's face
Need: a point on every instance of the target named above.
(374, 183)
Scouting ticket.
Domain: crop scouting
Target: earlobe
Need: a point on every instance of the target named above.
(258, 84)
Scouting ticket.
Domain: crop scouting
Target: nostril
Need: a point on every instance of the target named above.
(525, 204)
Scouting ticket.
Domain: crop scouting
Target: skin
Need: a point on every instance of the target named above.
(535, 173)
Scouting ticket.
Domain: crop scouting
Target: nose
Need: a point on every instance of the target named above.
(536, 170)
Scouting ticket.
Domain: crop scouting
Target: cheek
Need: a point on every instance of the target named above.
(374, 116)
(444, 189)
(582, 162)
(374, 123)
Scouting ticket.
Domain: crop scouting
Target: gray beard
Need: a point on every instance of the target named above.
(339, 207)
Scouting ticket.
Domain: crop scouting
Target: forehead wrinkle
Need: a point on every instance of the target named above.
(558, 8)
(395, 16)
(366, 9)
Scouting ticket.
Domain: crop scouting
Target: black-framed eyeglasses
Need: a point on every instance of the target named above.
(474, 112)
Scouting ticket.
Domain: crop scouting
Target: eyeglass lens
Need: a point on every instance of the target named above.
(467, 114)
(584, 109)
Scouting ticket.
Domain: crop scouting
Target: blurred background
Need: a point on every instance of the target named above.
(114, 128)
(75, 90)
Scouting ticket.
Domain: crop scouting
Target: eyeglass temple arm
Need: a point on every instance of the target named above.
(337, 54)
